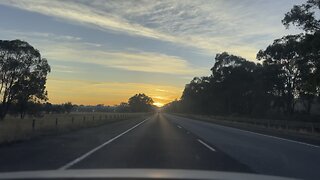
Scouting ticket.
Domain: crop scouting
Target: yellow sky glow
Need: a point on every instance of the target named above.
(107, 93)
(158, 104)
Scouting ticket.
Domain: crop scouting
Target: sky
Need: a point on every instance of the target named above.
(105, 51)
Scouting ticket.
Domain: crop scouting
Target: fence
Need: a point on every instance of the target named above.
(299, 126)
(14, 128)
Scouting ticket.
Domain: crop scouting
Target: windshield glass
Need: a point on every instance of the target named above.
(222, 86)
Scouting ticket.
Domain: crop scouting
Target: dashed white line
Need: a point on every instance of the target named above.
(179, 126)
(98, 147)
(206, 145)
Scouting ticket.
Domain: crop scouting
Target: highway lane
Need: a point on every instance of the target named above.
(154, 142)
(164, 141)
(263, 154)
(51, 152)
(158, 143)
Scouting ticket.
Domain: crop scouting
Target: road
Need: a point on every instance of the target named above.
(165, 141)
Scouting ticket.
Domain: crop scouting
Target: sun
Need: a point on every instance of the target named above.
(158, 104)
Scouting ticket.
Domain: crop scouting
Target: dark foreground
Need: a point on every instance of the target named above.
(165, 141)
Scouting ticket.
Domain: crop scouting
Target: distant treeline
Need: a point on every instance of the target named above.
(137, 103)
(288, 73)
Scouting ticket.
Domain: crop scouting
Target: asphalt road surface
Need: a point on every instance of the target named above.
(165, 141)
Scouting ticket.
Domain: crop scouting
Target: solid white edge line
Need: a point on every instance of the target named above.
(98, 147)
(279, 138)
(289, 140)
(206, 145)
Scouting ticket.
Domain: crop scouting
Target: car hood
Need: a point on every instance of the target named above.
(134, 174)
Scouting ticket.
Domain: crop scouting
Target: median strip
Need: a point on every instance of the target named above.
(68, 165)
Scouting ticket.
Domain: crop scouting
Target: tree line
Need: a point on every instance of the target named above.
(137, 103)
(288, 72)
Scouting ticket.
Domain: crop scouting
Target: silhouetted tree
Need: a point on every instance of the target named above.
(140, 103)
(23, 74)
(67, 107)
(284, 53)
(47, 107)
(233, 88)
(290, 71)
(123, 107)
(304, 16)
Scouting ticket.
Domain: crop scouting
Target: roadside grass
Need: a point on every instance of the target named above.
(14, 128)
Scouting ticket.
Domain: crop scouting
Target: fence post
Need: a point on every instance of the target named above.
(312, 127)
(57, 124)
(33, 124)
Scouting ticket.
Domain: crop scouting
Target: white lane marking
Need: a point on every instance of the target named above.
(289, 140)
(206, 145)
(179, 126)
(98, 147)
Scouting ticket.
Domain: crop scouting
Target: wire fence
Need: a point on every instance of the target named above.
(298, 126)
(14, 128)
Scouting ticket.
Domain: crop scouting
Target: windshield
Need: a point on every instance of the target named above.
(220, 86)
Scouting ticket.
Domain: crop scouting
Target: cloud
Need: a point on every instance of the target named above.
(74, 49)
(126, 60)
(209, 26)
(63, 69)
(38, 35)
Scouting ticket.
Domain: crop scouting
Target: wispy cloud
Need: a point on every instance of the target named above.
(63, 69)
(73, 49)
(209, 26)
(126, 60)
(38, 35)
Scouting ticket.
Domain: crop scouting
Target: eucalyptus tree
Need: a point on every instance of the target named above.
(23, 75)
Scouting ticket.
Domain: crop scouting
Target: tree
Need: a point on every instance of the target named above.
(195, 97)
(123, 107)
(290, 71)
(234, 87)
(140, 103)
(284, 53)
(304, 16)
(67, 107)
(47, 107)
(23, 74)
(233, 79)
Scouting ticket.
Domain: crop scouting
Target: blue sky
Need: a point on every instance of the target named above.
(103, 52)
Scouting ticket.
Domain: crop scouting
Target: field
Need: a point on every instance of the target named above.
(15, 129)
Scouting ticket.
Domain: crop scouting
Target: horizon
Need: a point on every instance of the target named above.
(103, 52)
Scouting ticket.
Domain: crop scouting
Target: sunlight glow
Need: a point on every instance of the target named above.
(107, 93)
(158, 104)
